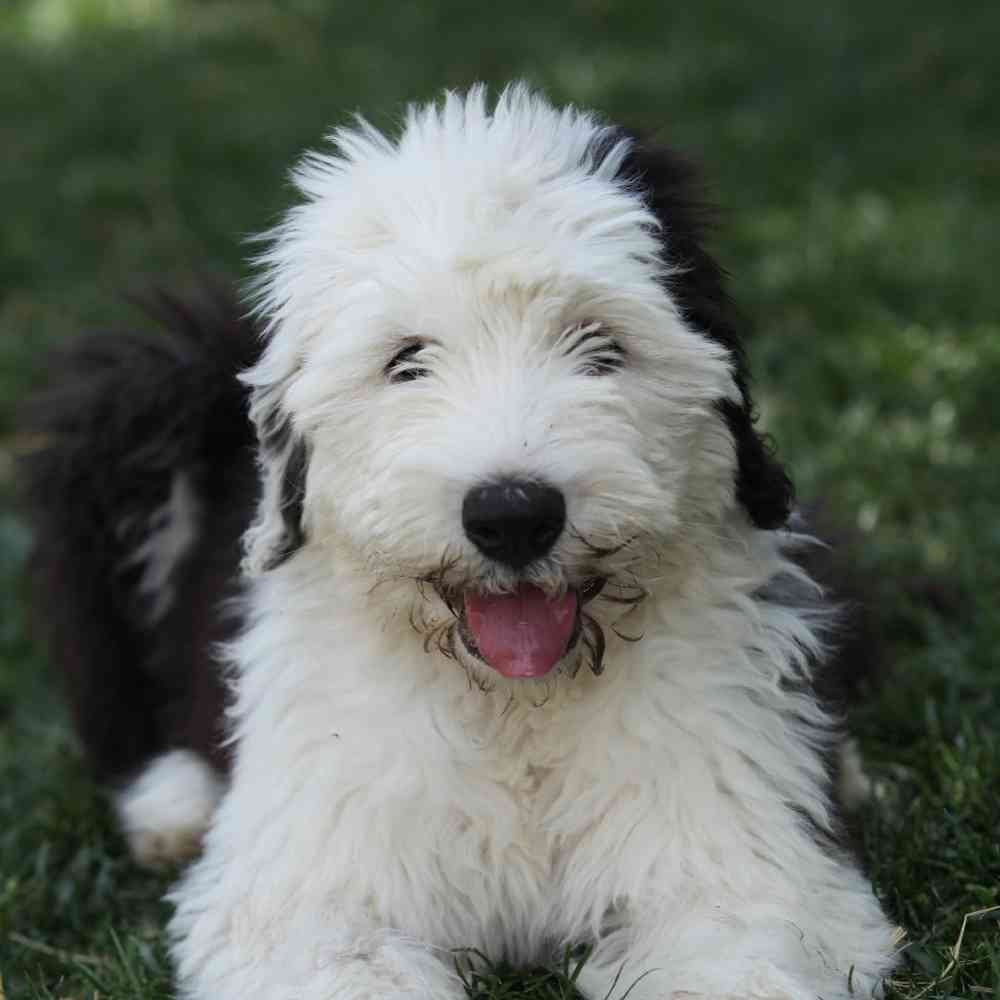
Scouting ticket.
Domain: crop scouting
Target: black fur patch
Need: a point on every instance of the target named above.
(293, 486)
(670, 185)
(279, 447)
(122, 413)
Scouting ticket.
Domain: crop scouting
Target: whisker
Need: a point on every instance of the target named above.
(627, 638)
(598, 551)
(631, 599)
(593, 641)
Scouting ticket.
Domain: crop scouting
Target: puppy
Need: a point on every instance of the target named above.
(522, 654)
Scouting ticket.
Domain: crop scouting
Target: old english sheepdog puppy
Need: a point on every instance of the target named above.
(521, 655)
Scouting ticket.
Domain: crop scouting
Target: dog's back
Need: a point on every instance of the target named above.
(140, 481)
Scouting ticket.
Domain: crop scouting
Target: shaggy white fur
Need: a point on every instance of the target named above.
(388, 805)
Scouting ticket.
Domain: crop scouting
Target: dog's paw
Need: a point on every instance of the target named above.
(166, 810)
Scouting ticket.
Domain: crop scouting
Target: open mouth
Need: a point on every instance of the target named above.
(524, 633)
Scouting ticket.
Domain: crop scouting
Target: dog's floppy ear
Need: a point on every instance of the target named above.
(277, 532)
(697, 285)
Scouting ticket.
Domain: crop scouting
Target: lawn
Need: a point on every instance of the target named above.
(855, 149)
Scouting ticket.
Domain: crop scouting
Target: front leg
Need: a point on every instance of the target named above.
(235, 953)
(706, 961)
(724, 946)
(274, 911)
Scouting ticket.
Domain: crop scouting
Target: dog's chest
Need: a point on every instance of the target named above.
(459, 822)
(497, 862)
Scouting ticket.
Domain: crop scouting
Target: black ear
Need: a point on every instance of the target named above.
(292, 467)
(671, 187)
(277, 532)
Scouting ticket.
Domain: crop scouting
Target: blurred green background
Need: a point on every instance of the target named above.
(855, 150)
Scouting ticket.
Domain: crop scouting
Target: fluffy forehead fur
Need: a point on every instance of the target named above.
(494, 237)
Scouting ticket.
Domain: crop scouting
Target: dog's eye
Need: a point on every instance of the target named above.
(598, 352)
(404, 366)
(604, 360)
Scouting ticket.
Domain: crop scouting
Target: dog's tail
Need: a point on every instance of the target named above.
(138, 464)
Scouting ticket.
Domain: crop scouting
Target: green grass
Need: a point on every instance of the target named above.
(856, 149)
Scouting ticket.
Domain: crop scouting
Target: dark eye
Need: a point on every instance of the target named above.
(404, 366)
(598, 352)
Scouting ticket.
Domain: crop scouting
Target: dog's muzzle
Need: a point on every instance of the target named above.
(524, 633)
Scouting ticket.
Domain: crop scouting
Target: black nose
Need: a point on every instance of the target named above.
(513, 522)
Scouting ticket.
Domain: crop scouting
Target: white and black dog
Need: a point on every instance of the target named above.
(522, 651)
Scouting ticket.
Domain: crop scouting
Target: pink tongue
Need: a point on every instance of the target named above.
(522, 634)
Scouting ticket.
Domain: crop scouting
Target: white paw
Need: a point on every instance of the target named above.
(166, 810)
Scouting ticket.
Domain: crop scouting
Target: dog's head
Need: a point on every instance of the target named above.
(501, 366)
